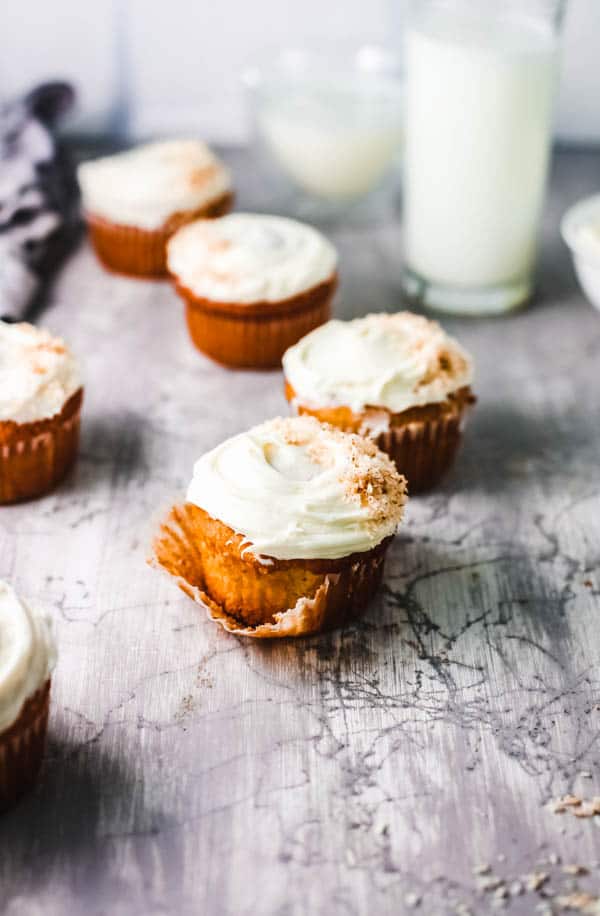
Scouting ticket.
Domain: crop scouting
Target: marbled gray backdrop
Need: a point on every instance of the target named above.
(374, 770)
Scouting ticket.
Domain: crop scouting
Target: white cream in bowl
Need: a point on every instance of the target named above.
(580, 228)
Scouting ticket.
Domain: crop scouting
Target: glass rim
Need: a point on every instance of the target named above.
(366, 59)
(553, 10)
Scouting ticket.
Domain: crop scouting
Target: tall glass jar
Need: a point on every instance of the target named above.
(480, 83)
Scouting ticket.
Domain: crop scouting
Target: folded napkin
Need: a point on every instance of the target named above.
(38, 195)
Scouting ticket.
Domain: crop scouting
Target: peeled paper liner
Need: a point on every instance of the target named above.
(176, 553)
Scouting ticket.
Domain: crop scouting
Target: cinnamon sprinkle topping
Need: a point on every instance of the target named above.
(369, 476)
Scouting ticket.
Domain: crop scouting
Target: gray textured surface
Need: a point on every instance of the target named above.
(367, 771)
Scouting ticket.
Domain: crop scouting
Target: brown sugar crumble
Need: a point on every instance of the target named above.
(370, 476)
(445, 362)
(199, 177)
(215, 245)
(50, 346)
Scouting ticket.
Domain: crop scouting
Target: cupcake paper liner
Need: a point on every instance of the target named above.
(255, 336)
(338, 598)
(33, 462)
(142, 252)
(22, 748)
(423, 451)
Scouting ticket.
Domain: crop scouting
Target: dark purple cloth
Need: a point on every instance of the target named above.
(38, 195)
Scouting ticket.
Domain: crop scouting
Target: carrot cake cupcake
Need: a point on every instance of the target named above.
(253, 285)
(27, 658)
(285, 528)
(399, 379)
(134, 201)
(40, 403)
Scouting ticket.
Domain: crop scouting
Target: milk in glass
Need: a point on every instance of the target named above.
(479, 93)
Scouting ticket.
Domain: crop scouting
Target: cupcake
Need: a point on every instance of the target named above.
(398, 379)
(27, 657)
(40, 404)
(285, 528)
(134, 201)
(252, 284)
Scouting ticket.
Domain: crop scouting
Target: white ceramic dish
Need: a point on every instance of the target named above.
(585, 250)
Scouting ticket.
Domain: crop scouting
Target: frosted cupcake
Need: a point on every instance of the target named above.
(285, 528)
(27, 658)
(134, 201)
(398, 379)
(253, 285)
(40, 404)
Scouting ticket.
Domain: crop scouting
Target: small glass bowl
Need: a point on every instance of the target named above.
(327, 126)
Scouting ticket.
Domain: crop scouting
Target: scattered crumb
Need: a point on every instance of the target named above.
(412, 900)
(186, 707)
(562, 804)
(546, 897)
(462, 909)
(588, 583)
(588, 808)
(490, 884)
(575, 870)
(580, 903)
(535, 880)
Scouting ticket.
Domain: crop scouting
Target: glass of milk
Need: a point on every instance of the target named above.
(480, 82)
(330, 121)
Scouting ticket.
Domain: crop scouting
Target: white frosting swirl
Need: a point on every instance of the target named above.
(391, 361)
(145, 186)
(247, 257)
(38, 373)
(296, 489)
(27, 654)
